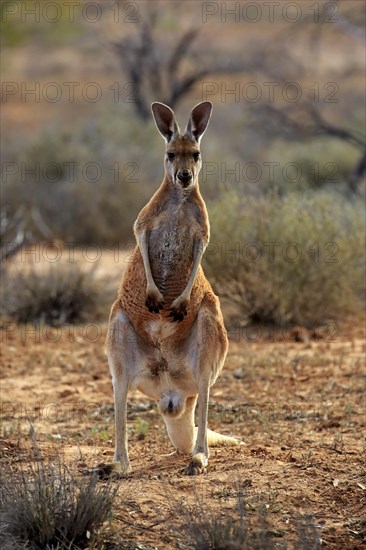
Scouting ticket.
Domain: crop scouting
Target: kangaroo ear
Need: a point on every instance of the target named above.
(165, 120)
(198, 121)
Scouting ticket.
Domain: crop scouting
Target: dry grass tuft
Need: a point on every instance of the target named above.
(63, 294)
(47, 507)
(206, 530)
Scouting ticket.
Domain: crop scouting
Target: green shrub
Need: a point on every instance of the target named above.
(140, 427)
(321, 163)
(19, 30)
(60, 295)
(299, 259)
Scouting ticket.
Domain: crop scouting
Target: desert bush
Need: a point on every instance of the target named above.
(48, 507)
(207, 530)
(88, 184)
(61, 294)
(299, 259)
(19, 32)
(321, 164)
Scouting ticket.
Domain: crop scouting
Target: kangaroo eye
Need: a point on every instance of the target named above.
(171, 156)
(196, 155)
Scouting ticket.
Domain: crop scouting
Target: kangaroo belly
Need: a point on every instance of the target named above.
(152, 327)
(171, 259)
(155, 382)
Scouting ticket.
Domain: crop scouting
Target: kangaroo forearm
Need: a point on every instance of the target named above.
(199, 249)
(143, 245)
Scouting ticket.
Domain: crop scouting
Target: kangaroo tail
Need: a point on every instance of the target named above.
(218, 440)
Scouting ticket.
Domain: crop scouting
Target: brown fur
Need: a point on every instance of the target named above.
(191, 218)
(175, 352)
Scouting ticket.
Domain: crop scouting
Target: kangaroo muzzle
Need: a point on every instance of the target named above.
(185, 177)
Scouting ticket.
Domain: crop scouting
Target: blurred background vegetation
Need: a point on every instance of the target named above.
(284, 156)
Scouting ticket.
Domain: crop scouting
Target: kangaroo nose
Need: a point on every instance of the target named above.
(185, 175)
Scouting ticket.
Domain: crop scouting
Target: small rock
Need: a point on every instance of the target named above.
(239, 373)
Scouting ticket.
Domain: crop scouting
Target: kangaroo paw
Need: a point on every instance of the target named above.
(154, 302)
(178, 310)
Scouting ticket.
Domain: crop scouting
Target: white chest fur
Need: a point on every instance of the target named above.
(161, 329)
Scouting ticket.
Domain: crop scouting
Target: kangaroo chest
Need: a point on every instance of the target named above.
(171, 245)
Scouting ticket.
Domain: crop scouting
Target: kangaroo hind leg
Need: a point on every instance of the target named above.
(209, 342)
(123, 357)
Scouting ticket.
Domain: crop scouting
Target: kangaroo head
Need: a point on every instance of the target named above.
(182, 158)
